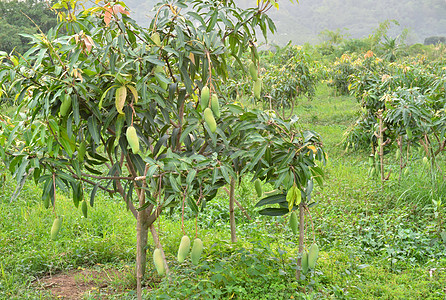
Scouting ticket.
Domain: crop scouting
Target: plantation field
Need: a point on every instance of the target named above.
(376, 241)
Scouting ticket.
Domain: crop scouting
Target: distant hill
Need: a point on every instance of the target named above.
(303, 22)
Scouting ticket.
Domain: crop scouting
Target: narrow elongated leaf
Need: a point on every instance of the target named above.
(225, 172)
(77, 193)
(160, 143)
(274, 211)
(121, 94)
(193, 206)
(174, 184)
(93, 129)
(134, 92)
(21, 170)
(274, 199)
(191, 176)
(93, 194)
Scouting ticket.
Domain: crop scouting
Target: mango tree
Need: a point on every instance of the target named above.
(297, 165)
(289, 73)
(403, 106)
(106, 104)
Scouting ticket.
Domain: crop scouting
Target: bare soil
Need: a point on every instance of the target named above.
(75, 284)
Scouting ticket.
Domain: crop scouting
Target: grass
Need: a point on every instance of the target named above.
(377, 242)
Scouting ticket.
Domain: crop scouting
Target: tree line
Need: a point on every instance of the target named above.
(23, 17)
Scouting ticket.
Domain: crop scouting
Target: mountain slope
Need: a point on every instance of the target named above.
(304, 21)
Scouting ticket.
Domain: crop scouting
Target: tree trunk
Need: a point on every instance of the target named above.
(142, 226)
(231, 211)
(239, 205)
(381, 147)
(301, 239)
(141, 252)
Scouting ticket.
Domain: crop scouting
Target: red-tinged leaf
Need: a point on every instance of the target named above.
(107, 17)
(119, 9)
(88, 42)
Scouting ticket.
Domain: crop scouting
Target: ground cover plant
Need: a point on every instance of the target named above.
(357, 236)
(375, 241)
(101, 94)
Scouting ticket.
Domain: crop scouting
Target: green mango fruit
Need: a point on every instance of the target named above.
(258, 186)
(215, 106)
(132, 139)
(313, 255)
(257, 88)
(210, 120)
(294, 222)
(184, 248)
(84, 209)
(304, 262)
(57, 224)
(155, 37)
(65, 106)
(196, 251)
(204, 97)
(253, 71)
(158, 261)
(81, 151)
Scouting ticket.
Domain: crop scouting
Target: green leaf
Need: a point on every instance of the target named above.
(21, 170)
(214, 175)
(93, 194)
(134, 92)
(212, 21)
(105, 94)
(77, 193)
(274, 211)
(93, 129)
(191, 176)
(174, 184)
(192, 205)
(161, 141)
(293, 197)
(224, 171)
(274, 199)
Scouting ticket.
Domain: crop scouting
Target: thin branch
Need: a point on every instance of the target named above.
(238, 204)
(108, 177)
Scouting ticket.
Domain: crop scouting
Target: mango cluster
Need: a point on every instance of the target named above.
(183, 251)
(309, 258)
(211, 109)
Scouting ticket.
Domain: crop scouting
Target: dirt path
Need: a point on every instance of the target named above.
(74, 284)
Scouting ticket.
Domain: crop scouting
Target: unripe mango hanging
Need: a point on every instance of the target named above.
(253, 71)
(84, 209)
(294, 222)
(57, 224)
(258, 186)
(197, 249)
(210, 120)
(132, 139)
(304, 262)
(184, 248)
(65, 106)
(313, 255)
(257, 88)
(215, 106)
(204, 97)
(158, 261)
